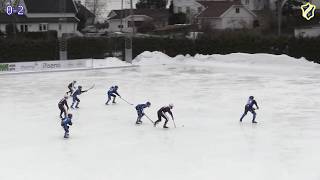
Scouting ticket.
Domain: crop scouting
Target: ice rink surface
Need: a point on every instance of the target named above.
(209, 94)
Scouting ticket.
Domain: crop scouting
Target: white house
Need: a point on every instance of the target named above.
(193, 7)
(42, 15)
(307, 31)
(220, 14)
(225, 15)
(189, 7)
(120, 20)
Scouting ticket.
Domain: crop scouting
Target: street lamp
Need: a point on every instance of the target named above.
(129, 37)
(280, 4)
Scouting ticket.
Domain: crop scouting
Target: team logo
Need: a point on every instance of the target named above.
(308, 11)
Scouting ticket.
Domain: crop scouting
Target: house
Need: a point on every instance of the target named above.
(193, 7)
(190, 8)
(225, 15)
(307, 31)
(42, 15)
(120, 20)
(86, 13)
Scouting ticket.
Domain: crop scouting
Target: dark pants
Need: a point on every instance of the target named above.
(140, 114)
(66, 130)
(109, 98)
(161, 115)
(75, 100)
(62, 110)
(70, 91)
(246, 110)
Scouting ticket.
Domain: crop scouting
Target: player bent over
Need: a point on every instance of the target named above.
(140, 108)
(162, 114)
(249, 107)
(113, 91)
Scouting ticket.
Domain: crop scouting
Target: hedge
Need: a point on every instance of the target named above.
(29, 50)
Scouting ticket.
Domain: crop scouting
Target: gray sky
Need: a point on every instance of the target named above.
(116, 4)
(111, 5)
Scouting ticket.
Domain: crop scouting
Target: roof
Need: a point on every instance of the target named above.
(50, 6)
(153, 13)
(216, 8)
(85, 11)
(5, 19)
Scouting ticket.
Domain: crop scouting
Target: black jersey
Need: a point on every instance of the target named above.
(63, 102)
(251, 102)
(166, 109)
(71, 85)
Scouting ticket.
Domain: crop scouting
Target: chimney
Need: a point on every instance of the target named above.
(62, 5)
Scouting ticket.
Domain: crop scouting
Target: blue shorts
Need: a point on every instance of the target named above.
(250, 109)
(75, 98)
(66, 128)
(111, 95)
(140, 112)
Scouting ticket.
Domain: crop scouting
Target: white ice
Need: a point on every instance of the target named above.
(209, 94)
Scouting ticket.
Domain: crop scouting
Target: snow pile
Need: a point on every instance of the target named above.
(259, 61)
(109, 62)
(152, 58)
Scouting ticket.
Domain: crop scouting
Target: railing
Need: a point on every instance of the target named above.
(51, 66)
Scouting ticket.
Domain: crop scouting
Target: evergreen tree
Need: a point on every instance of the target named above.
(151, 4)
(179, 18)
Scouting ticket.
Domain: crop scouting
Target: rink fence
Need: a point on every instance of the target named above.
(51, 66)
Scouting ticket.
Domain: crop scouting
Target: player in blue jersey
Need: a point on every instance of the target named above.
(75, 98)
(249, 107)
(65, 122)
(140, 108)
(113, 92)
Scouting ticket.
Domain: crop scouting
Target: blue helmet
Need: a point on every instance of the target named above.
(70, 115)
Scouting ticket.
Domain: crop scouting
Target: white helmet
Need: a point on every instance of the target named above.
(171, 105)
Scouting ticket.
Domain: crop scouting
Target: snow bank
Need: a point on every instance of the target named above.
(109, 62)
(152, 58)
(274, 61)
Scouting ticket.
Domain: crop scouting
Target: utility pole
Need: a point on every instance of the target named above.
(129, 37)
(63, 53)
(121, 21)
(280, 4)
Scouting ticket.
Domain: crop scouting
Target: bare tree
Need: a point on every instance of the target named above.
(96, 6)
(2, 6)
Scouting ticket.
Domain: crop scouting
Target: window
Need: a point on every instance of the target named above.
(247, 2)
(179, 9)
(43, 27)
(237, 10)
(188, 10)
(130, 24)
(23, 28)
(256, 23)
